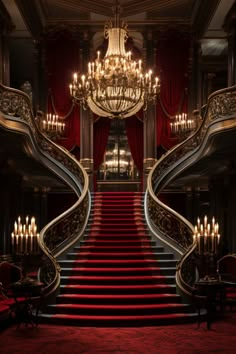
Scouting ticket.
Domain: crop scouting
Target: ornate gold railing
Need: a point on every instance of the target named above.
(166, 224)
(62, 232)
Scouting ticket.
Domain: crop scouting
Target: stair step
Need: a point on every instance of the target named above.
(115, 271)
(117, 228)
(117, 321)
(125, 211)
(95, 279)
(118, 299)
(120, 263)
(142, 309)
(119, 255)
(135, 236)
(118, 289)
(95, 248)
(113, 243)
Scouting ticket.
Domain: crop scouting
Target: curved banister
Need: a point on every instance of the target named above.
(168, 225)
(64, 230)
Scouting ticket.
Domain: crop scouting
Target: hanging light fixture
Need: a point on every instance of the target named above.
(116, 86)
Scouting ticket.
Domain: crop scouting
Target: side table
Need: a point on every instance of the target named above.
(31, 291)
(208, 292)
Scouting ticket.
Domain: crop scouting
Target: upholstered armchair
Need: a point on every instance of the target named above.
(9, 274)
(226, 267)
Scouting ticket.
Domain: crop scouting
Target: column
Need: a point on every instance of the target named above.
(230, 29)
(10, 205)
(195, 96)
(231, 58)
(196, 203)
(86, 117)
(6, 27)
(149, 121)
(37, 73)
(40, 56)
(43, 218)
(220, 199)
(189, 203)
(231, 221)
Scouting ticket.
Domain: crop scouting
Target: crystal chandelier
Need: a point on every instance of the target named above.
(116, 86)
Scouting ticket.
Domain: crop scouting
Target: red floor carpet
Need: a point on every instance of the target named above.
(184, 339)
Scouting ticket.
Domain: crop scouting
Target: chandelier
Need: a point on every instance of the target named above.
(115, 86)
(182, 125)
(53, 126)
(24, 237)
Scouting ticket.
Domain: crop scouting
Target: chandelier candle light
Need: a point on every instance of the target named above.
(53, 124)
(25, 237)
(206, 236)
(182, 124)
(116, 86)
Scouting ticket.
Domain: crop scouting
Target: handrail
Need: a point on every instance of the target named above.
(58, 235)
(165, 223)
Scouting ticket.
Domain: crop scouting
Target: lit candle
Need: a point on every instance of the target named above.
(213, 241)
(17, 236)
(12, 241)
(213, 222)
(198, 222)
(75, 77)
(26, 243)
(31, 242)
(32, 222)
(198, 242)
(205, 222)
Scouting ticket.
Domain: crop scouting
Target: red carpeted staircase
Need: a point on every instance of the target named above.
(117, 276)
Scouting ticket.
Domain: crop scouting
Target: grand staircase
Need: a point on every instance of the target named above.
(118, 276)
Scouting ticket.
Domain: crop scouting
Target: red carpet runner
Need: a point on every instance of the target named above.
(117, 276)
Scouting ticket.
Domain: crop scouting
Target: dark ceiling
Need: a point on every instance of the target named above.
(204, 18)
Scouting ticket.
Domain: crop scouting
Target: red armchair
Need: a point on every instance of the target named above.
(227, 270)
(9, 274)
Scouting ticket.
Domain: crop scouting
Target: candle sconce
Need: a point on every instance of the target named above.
(207, 239)
(24, 238)
(53, 126)
(182, 126)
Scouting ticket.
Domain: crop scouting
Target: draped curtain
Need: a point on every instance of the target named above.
(100, 136)
(172, 63)
(62, 57)
(134, 130)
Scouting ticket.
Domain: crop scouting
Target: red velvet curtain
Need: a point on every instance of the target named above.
(134, 130)
(100, 136)
(62, 56)
(172, 63)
